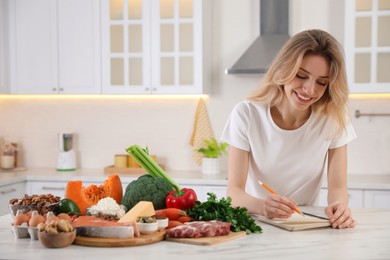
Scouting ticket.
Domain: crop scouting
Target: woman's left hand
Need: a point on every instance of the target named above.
(340, 215)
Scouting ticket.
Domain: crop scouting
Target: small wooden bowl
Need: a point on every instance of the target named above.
(59, 240)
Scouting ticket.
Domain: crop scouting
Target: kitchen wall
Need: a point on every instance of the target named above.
(106, 127)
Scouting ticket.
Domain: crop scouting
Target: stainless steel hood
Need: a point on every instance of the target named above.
(274, 32)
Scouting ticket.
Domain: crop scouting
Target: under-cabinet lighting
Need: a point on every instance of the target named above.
(370, 96)
(129, 97)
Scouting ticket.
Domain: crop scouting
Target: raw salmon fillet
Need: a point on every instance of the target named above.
(91, 221)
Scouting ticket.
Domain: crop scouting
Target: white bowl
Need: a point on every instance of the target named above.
(162, 223)
(147, 228)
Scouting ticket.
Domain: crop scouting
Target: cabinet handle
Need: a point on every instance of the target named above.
(52, 188)
(61, 89)
(3, 192)
(146, 89)
(54, 89)
(154, 89)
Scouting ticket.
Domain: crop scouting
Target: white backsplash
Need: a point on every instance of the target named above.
(370, 152)
(106, 127)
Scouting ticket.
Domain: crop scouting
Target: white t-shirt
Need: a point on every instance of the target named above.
(292, 162)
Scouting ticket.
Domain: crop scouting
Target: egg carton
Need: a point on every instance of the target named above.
(25, 232)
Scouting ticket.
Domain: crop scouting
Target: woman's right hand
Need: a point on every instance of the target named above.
(276, 206)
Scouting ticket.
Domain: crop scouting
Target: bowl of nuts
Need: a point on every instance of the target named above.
(42, 203)
(147, 224)
(56, 234)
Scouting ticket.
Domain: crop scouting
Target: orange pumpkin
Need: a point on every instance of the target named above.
(89, 196)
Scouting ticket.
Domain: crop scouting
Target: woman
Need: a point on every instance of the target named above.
(292, 131)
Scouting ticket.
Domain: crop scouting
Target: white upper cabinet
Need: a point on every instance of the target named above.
(54, 46)
(367, 45)
(153, 46)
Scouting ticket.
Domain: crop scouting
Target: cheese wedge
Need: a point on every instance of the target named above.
(142, 208)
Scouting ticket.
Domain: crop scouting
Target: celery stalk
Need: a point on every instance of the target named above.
(146, 162)
(151, 166)
(143, 161)
(154, 166)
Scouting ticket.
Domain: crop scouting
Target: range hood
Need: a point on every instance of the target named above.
(274, 32)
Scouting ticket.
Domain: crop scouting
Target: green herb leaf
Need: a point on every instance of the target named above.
(221, 210)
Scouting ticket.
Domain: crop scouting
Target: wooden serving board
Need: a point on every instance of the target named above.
(205, 241)
(120, 242)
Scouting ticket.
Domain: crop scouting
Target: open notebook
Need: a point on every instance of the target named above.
(296, 222)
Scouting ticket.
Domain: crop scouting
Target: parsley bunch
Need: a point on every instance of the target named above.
(221, 210)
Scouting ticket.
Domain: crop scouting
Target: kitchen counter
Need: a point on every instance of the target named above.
(369, 240)
(355, 181)
(98, 175)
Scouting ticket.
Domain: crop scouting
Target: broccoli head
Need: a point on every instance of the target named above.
(147, 188)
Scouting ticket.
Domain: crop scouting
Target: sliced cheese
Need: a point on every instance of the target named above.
(142, 208)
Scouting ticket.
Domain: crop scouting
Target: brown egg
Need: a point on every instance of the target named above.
(63, 216)
(36, 220)
(52, 218)
(20, 219)
(29, 214)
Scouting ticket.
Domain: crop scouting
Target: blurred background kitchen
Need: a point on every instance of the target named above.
(36, 56)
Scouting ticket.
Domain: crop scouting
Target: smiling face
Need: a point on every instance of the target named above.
(309, 84)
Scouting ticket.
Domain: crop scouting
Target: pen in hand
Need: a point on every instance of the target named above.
(273, 192)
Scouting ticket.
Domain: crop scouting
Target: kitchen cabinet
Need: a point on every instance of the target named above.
(154, 47)
(355, 198)
(8, 192)
(3, 51)
(46, 187)
(367, 45)
(54, 46)
(377, 199)
(360, 198)
(219, 191)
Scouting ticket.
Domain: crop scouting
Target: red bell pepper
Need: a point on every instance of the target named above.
(184, 199)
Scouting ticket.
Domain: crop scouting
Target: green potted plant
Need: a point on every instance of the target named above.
(212, 151)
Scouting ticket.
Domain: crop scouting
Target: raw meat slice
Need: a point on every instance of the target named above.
(200, 229)
(183, 231)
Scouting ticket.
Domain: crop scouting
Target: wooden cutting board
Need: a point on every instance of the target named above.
(120, 242)
(204, 241)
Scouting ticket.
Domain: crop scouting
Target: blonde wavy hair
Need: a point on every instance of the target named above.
(287, 63)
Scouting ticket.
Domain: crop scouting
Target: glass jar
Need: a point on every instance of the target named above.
(8, 157)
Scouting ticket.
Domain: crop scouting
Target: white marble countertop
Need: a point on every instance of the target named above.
(369, 240)
(355, 181)
(98, 175)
